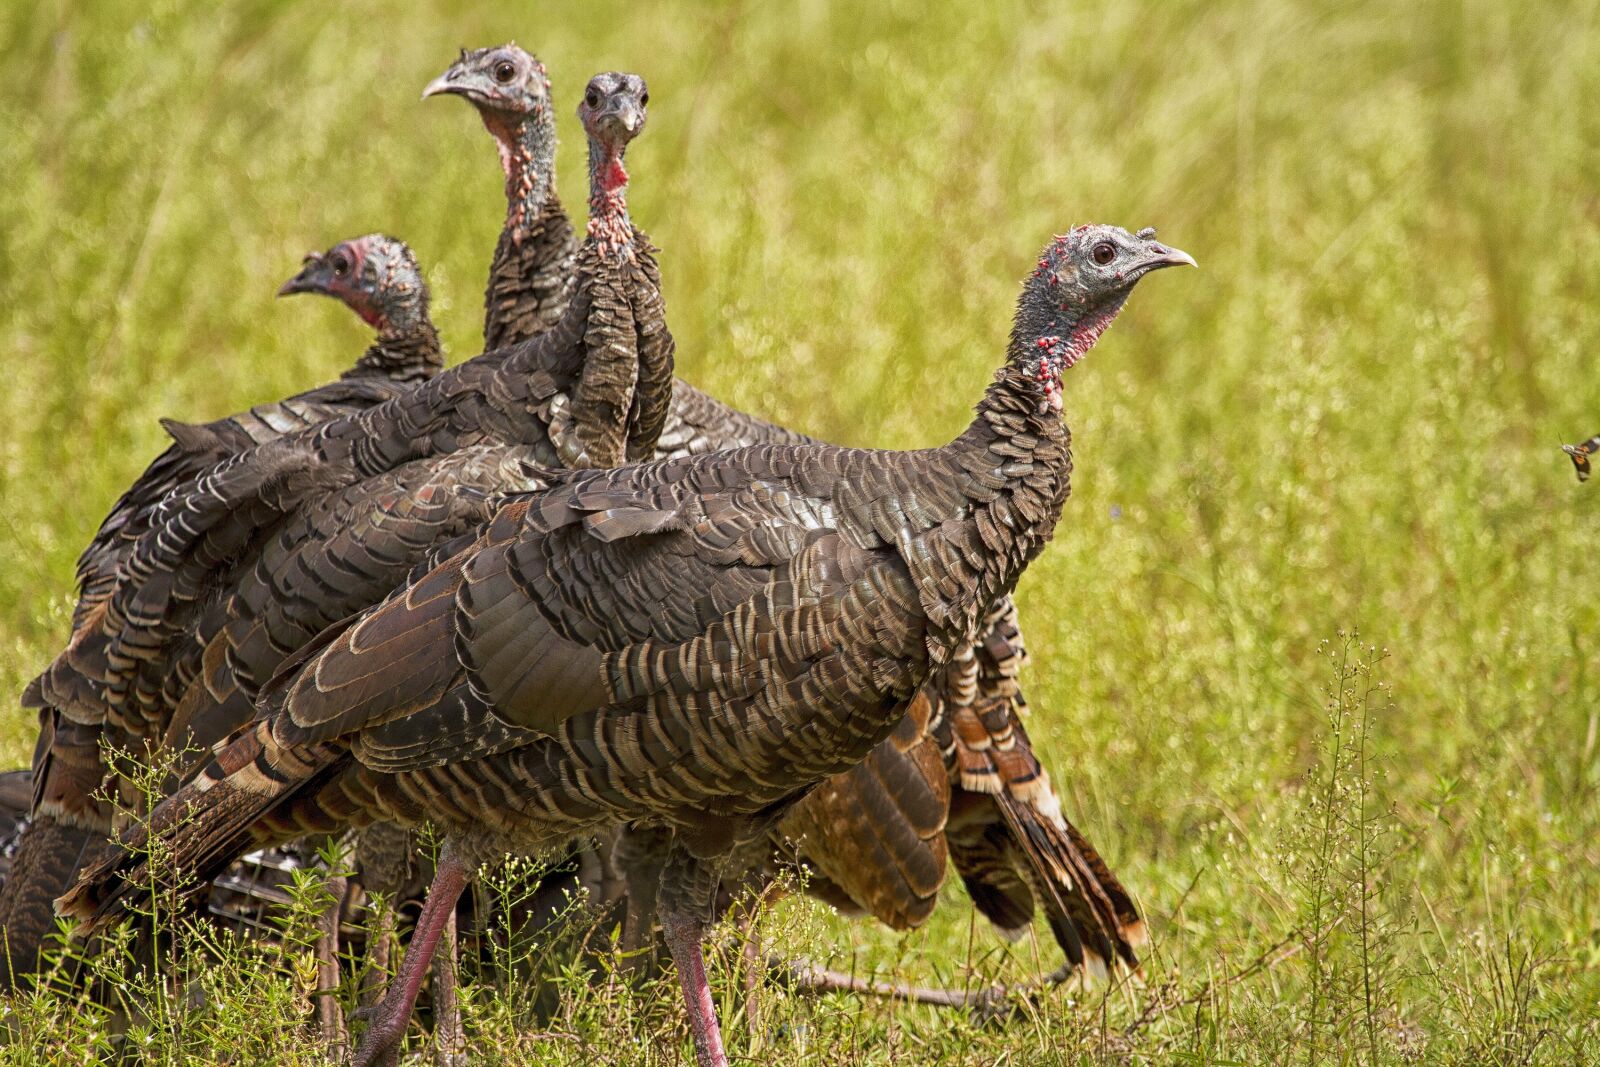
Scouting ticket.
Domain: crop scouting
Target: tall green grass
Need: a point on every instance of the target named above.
(1347, 419)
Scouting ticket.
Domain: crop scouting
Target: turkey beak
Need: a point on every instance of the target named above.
(631, 116)
(1158, 256)
(448, 82)
(313, 278)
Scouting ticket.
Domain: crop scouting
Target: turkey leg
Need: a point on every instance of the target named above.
(684, 932)
(687, 900)
(388, 1022)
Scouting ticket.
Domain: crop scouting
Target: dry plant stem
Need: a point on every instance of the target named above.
(751, 955)
(1364, 873)
(330, 1015)
(1324, 853)
(388, 1021)
(379, 952)
(808, 976)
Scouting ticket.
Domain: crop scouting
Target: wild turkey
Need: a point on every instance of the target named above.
(888, 843)
(690, 643)
(1580, 454)
(530, 285)
(531, 276)
(342, 552)
(376, 276)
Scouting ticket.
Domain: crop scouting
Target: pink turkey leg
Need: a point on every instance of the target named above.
(389, 1020)
(683, 935)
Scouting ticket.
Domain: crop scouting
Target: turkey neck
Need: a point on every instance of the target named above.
(407, 349)
(1017, 458)
(609, 242)
(527, 146)
(530, 277)
(609, 225)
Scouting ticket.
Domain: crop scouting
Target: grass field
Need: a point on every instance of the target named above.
(1347, 420)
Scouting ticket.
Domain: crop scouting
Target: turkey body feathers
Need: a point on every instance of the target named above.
(799, 626)
(508, 398)
(872, 839)
(330, 560)
(195, 449)
(530, 278)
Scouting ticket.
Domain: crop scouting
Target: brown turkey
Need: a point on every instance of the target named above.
(342, 551)
(530, 285)
(690, 643)
(874, 840)
(378, 278)
(568, 396)
(531, 275)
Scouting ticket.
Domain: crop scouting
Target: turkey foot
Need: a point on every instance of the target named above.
(805, 975)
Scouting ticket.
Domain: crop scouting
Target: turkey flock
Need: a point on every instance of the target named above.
(552, 602)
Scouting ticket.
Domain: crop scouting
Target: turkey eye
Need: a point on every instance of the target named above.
(1104, 253)
(591, 98)
(504, 72)
(644, 98)
(341, 266)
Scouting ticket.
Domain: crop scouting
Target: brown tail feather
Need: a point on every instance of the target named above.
(998, 890)
(69, 774)
(1030, 853)
(1090, 913)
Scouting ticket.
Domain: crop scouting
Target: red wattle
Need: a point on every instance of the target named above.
(615, 177)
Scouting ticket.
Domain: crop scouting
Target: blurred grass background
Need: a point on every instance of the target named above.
(1348, 418)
